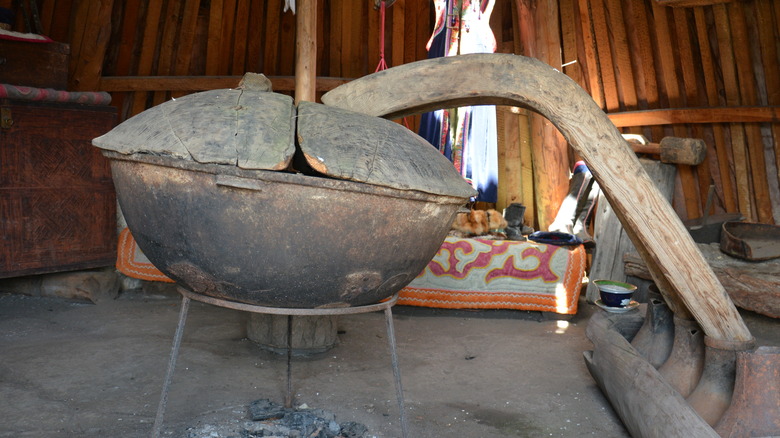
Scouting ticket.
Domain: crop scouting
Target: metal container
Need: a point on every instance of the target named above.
(320, 208)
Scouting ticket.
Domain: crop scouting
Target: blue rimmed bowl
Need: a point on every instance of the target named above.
(615, 293)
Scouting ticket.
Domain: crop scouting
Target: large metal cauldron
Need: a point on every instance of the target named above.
(226, 212)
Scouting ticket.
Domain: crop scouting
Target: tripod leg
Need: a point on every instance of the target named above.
(288, 401)
(399, 390)
(158, 420)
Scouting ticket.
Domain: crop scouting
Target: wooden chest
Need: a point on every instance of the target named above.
(41, 65)
(57, 201)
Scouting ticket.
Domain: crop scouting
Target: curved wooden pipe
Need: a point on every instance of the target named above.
(499, 79)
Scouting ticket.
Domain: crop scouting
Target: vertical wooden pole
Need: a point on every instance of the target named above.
(550, 153)
(306, 51)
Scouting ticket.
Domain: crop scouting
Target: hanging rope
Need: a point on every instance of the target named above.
(382, 63)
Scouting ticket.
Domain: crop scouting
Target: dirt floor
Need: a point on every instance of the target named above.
(86, 370)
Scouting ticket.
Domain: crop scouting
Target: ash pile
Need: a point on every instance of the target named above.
(271, 420)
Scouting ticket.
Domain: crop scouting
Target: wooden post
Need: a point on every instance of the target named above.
(306, 51)
(318, 333)
(496, 79)
(550, 151)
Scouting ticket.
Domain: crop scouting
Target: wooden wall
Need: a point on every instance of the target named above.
(708, 71)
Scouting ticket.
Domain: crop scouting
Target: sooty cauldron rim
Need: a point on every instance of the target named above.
(248, 176)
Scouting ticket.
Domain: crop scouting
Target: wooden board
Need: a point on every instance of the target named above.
(752, 286)
(355, 147)
(498, 79)
(612, 242)
(212, 127)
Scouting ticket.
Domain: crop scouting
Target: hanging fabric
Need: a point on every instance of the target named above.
(467, 135)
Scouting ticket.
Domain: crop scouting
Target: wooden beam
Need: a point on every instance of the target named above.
(335, 46)
(602, 33)
(214, 37)
(769, 57)
(240, 37)
(396, 51)
(653, 225)
(228, 19)
(184, 47)
(200, 83)
(591, 59)
(167, 46)
(510, 181)
(271, 39)
(527, 168)
(255, 47)
(690, 3)
(746, 65)
(569, 23)
(725, 182)
(731, 90)
(643, 61)
(87, 59)
(735, 114)
(625, 72)
(670, 57)
(550, 152)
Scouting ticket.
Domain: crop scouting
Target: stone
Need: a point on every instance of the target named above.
(90, 286)
(93, 286)
(264, 409)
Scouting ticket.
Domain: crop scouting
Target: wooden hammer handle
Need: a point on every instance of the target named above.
(674, 150)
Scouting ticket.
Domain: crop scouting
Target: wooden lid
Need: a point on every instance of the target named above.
(357, 147)
(248, 129)
(253, 129)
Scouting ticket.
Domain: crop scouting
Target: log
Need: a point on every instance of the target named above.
(310, 334)
(752, 286)
(500, 79)
(648, 406)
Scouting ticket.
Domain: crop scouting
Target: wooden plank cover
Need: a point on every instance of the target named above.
(355, 147)
(498, 79)
(250, 129)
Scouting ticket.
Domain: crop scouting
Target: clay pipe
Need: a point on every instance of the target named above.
(713, 393)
